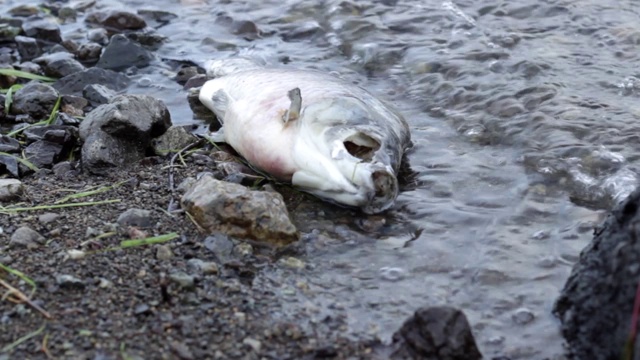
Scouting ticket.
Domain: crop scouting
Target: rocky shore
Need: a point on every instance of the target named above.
(123, 236)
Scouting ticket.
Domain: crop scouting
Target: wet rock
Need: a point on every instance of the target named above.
(42, 29)
(59, 64)
(8, 144)
(437, 333)
(596, 304)
(118, 133)
(122, 53)
(28, 47)
(74, 84)
(99, 36)
(135, 217)
(26, 237)
(43, 154)
(98, 94)
(117, 20)
(9, 164)
(220, 245)
(89, 52)
(34, 99)
(156, 18)
(163, 252)
(195, 81)
(186, 73)
(10, 189)
(70, 282)
(148, 38)
(47, 218)
(218, 206)
(175, 139)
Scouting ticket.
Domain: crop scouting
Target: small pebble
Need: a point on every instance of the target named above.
(522, 316)
(163, 252)
(392, 273)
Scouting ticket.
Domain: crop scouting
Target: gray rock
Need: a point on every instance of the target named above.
(436, 333)
(8, 144)
(233, 209)
(206, 267)
(9, 32)
(135, 217)
(9, 165)
(186, 73)
(98, 94)
(70, 282)
(175, 139)
(28, 47)
(26, 237)
(596, 304)
(195, 81)
(59, 64)
(60, 134)
(220, 245)
(117, 134)
(122, 53)
(89, 52)
(43, 154)
(42, 29)
(10, 189)
(163, 252)
(74, 84)
(117, 20)
(64, 169)
(185, 281)
(47, 218)
(73, 105)
(35, 99)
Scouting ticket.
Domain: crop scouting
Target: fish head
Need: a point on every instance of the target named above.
(347, 152)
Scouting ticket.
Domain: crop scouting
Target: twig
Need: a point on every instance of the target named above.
(22, 297)
(45, 346)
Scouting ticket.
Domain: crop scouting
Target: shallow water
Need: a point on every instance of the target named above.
(524, 118)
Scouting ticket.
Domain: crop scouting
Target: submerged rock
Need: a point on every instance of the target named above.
(218, 206)
(596, 304)
(35, 99)
(436, 333)
(118, 133)
(10, 189)
(74, 84)
(117, 20)
(122, 53)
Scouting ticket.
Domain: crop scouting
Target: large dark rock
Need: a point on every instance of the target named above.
(9, 165)
(74, 84)
(119, 133)
(436, 333)
(596, 304)
(35, 99)
(8, 144)
(117, 20)
(43, 153)
(121, 53)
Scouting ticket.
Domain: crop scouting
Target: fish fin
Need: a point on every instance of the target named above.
(220, 102)
(296, 105)
(216, 137)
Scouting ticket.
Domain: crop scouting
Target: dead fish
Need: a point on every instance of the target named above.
(326, 136)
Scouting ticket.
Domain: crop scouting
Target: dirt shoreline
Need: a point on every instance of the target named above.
(148, 302)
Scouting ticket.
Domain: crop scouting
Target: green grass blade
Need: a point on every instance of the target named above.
(11, 346)
(8, 100)
(54, 112)
(89, 193)
(22, 276)
(25, 75)
(148, 241)
(9, 210)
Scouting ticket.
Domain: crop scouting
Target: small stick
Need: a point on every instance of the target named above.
(172, 166)
(22, 297)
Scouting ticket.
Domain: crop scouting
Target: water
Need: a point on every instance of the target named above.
(524, 117)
